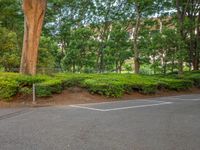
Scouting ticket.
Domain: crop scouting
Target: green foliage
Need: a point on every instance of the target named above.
(8, 88)
(25, 90)
(107, 87)
(193, 76)
(49, 87)
(97, 36)
(71, 80)
(118, 47)
(174, 84)
(111, 85)
(47, 55)
(9, 52)
(24, 80)
(11, 15)
(162, 50)
(79, 55)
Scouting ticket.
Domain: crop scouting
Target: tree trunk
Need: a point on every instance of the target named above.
(137, 65)
(73, 67)
(181, 13)
(198, 41)
(195, 63)
(154, 66)
(180, 67)
(135, 42)
(116, 66)
(197, 50)
(34, 12)
(172, 67)
(120, 67)
(101, 65)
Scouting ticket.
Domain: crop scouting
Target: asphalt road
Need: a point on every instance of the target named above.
(169, 123)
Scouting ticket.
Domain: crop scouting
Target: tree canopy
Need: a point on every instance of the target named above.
(99, 36)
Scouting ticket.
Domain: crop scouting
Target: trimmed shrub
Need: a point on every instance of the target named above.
(148, 88)
(71, 80)
(25, 90)
(111, 85)
(141, 83)
(8, 88)
(24, 80)
(195, 77)
(104, 87)
(175, 84)
(48, 88)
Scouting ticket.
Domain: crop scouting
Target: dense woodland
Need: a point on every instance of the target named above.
(101, 36)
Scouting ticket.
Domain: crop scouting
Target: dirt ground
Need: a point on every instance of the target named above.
(81, 96)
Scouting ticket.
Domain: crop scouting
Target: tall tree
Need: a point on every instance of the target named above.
(34, 11)
(140, 11)
(187, 18)
(135, 38)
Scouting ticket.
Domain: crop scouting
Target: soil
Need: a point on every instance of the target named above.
(81, 96)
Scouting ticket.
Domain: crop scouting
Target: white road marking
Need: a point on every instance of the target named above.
(138, 106)
(184, 99)
(120, 101)
(179, 96)
(121, 108)
(83, 107)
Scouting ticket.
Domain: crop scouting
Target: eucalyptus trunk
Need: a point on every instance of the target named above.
(34, 12)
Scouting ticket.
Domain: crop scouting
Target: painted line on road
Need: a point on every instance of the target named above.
(120, 108)
(84, 107)
(181, 96)
(139, 106)
(120, 101)
(184, 99)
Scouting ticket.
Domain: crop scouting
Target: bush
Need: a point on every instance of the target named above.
(148, 88)
(70, 80)
(25, 80)
(104, 87)
(174, 84)
(8, 88)
(111, 85)
(140, 83)
(25, 90)
(116, 85)
(48, 88)
(195, 77)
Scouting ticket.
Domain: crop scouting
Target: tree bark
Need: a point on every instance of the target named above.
(198, 41)
(34, 12)
(181, 14)
(197, 49)
(135, 41)
(180, 66)
(172, 67)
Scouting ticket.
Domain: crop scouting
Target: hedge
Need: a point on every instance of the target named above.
(111, 85)
(48, 88)
(108, 88)
(8, 88)
(195, 77)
